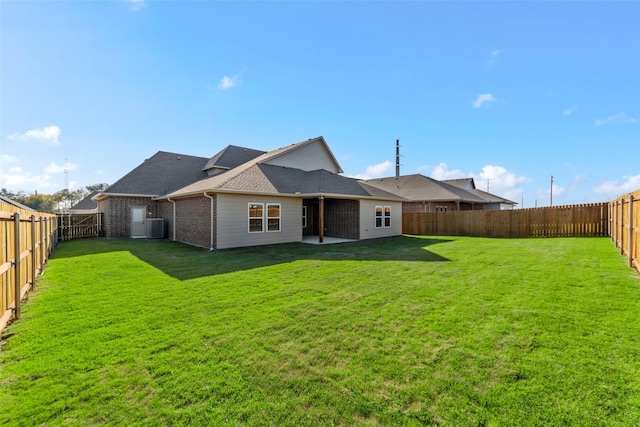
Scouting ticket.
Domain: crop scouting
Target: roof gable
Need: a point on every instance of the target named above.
(309, 155)
(160, 174)
(464, 183)
(230, 157)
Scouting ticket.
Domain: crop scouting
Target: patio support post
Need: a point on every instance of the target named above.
(321, 219)
(174, 217)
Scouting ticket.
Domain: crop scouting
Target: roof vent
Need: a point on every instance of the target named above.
(179, 158)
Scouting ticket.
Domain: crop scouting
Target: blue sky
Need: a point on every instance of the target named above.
(510, 93)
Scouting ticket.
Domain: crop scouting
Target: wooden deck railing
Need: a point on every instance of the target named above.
(28, 238)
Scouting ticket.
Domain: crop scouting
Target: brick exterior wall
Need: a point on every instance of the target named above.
(342, 218)
(193, 221)
(117, 214)
(165, 211)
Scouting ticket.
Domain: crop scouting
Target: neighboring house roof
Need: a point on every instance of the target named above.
(492, 198)
(232, 156)
(464, 183)
(422, 188)
(86, 204)
(158, 175)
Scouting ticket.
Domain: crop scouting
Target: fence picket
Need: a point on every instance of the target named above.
(558, 221)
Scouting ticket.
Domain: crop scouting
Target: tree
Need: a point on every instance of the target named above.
(97, 187)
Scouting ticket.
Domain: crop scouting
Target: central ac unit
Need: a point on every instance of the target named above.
(155, 228)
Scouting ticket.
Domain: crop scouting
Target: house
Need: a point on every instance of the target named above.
(493, 202)
(424, 194)
(86, 205)
(245, 197)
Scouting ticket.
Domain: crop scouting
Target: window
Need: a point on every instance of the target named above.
(273, 217)
(387, 216)
(257, 214)
(441, 208)
(256, 217)
(304, 217)
(383, 216)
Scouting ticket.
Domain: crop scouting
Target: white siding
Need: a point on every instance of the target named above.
(368, 228)
(233, 217)
(309, 157)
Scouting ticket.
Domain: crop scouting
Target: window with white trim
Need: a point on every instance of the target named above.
(383, 216)
(441, 208)
(387, 216)
(256, 217)
(273, 217)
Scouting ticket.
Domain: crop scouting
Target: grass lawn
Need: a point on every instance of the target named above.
(397, 331)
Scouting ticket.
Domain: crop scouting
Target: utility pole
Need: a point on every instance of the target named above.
(66, 174)
(551, 192)
(397, 158)
(487, 185)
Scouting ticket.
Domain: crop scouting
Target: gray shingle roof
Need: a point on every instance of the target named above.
(491, 198)
(464, 183)
(86, 204)
(265, 179)
(232, 156)
(160, 174)
(422, 188)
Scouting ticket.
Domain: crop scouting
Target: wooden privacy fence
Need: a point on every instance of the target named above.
(78, 226)
(558, 221)
(625, 226)
(28, 238)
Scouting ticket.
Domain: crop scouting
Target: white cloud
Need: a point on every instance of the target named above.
(568, 111)
(55, 168)
(614, 189)
(500, 178)
(228, 82)
(376, 171)
(5, 158)
(501, 182)
(494, 57)
(484, 98)
(49, 135)
(441, 172)
(136, 4)
(18, 179)
(616, 118)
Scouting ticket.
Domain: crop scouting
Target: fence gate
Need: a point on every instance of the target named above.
(79, 226)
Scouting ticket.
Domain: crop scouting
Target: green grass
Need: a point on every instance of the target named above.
(398, 331)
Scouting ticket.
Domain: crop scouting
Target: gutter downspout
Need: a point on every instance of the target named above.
(211, 220)
(174, 217)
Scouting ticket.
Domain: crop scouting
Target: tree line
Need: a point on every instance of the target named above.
(52, 203)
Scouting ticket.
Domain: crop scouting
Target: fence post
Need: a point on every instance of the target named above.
(34, 252)
(630, 239)
(16, 223)
(43, 246)
(621, 233)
